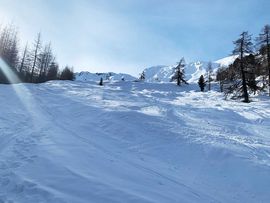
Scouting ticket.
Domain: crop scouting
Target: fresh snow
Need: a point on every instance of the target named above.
(226, 61)
(131, 142)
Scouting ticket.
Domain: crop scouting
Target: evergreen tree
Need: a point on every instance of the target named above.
(67, 74)
(264, 48)
(251, 65)
(179, 73)
(142, 76)
(201, 83)
(231, 80)
(53, 71)
(243, 45)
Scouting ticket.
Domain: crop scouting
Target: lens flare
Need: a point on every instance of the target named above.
(25, 96)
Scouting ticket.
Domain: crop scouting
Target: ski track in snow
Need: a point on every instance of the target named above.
(18, 149)
(132, 142)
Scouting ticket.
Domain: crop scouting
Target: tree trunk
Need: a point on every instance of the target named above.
(221, 86)
(34, 65)
(209, 82)
(35, 56)
(178, 77)
(23, 59)
(246, 99)
(268, 60)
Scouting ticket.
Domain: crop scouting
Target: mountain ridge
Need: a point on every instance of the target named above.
(160, 73)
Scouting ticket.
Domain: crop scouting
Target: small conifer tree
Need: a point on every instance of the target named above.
(142, 76)
(201, 83)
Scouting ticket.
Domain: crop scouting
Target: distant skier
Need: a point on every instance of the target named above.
(101, 81)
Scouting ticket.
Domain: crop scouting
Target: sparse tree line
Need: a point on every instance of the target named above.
(33, 64)
(250, 72)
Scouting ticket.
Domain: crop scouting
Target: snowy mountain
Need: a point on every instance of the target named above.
(87, 76)
(160, 73)
(79, 142)
(224, 62)
(193, 70)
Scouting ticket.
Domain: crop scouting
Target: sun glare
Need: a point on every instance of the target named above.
(22, 92)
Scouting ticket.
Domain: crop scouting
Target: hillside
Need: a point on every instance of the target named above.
(131, 142)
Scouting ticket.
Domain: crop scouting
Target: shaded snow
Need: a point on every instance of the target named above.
(131, 142)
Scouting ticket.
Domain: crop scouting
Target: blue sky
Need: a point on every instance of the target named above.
(129, 35)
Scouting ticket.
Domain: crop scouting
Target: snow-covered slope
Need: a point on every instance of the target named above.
(196, 69)
(159, 73)
(224, 62)
(131, 142)
(193, 70)
(87, 76)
